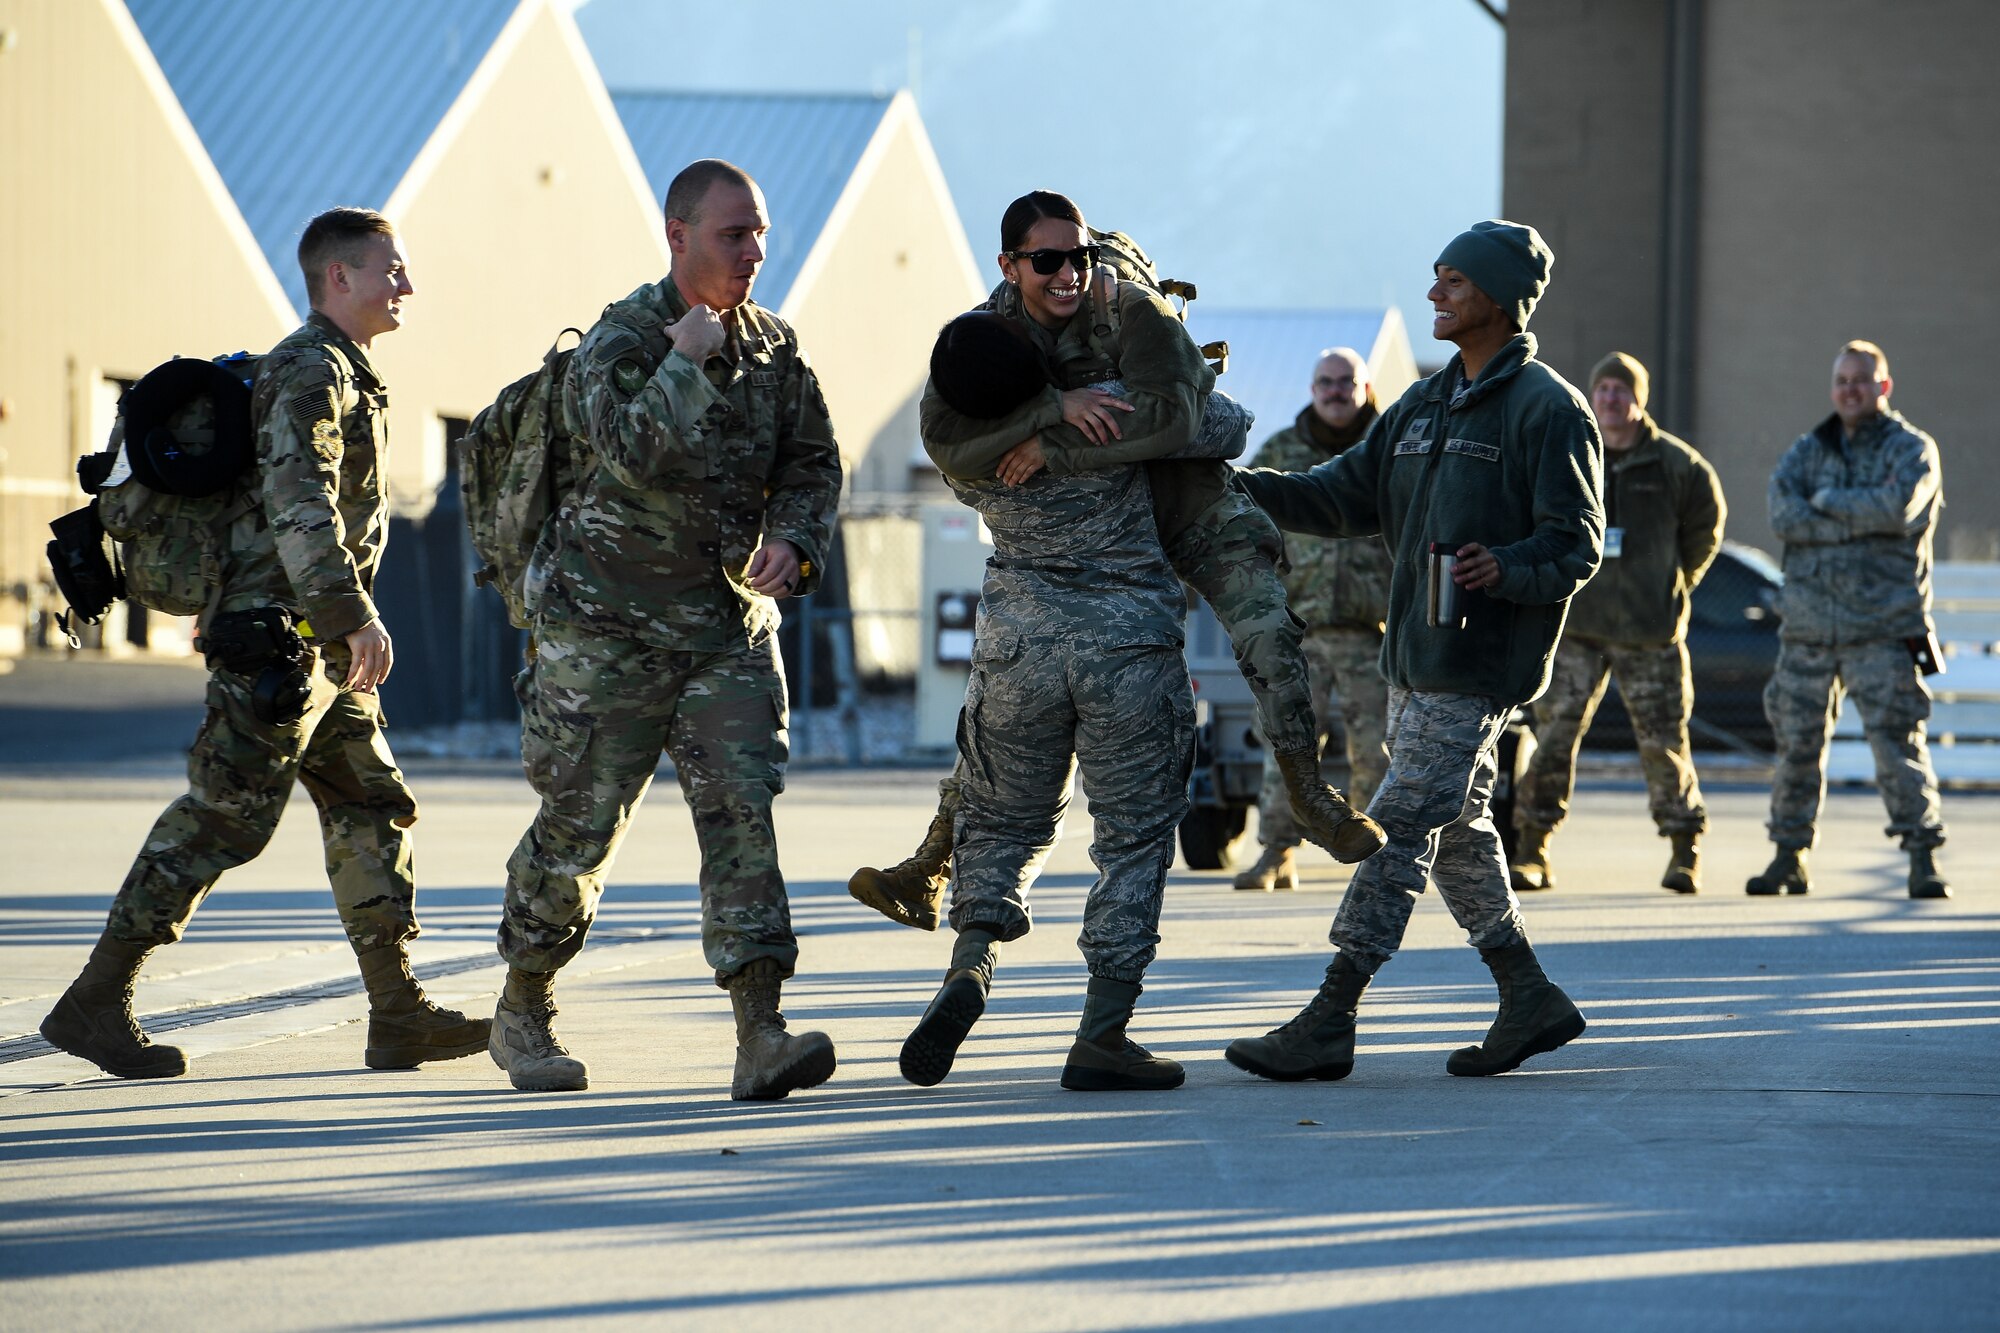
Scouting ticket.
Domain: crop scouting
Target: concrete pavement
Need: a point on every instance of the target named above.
(1783, 1114)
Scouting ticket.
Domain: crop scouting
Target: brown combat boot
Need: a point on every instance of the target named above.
(1684, 865)
(1276, 868)
(1528, 869)
(770, 1062)
(1785, 874)
(1103, 1058)
(404, 1028)
(1323, 814)
(1535, 1016)
(93, 1019)
(523, 1040)
(1318, 1041)
(912, 893)
(1925, 881)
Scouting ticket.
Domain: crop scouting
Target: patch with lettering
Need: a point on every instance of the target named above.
(1412, 447)
(764, 379)
(1473, 449)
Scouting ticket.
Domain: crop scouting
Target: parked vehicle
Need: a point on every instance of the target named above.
(1732, 647)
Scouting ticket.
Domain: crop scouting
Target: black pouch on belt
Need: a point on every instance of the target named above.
(263, 645)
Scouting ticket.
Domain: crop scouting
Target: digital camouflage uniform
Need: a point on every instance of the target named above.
(313, 546)
(1512, 460)
(1666, 503)
(1856, 517)
(648, 639)
(1340, 589)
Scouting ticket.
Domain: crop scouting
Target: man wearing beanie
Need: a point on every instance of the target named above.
(1340, 589)
(1486, 482)
(1855, 501)
(1663, 514)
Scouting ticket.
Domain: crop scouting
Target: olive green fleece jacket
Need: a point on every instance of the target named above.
(1667, 502)
(1513, 462)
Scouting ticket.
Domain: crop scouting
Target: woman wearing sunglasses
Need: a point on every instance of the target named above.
(1078, 659)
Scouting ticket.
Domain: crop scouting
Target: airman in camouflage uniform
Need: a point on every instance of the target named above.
(707, 482)
(1496, 462)
(1855, 501)
(1664, 514)
(306, 553)
(1340, 589)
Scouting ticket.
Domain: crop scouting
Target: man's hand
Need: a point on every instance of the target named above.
(1094, 412)
(698, 334)
(774, 569)
(1477, 567)
(1021, 462)
(373, 656)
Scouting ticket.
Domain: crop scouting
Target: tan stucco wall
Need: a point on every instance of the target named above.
(867, 311)
(118, 249)
(530, 217)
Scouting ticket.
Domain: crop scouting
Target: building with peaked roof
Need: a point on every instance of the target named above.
(1272, 354)
(867, 257)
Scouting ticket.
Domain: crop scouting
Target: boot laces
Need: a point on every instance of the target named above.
(1317, 1011)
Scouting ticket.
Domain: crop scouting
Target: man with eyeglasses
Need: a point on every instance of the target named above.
(1340, 588)
(1855, 501)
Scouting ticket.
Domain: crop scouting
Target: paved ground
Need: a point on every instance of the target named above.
(1783, 1114)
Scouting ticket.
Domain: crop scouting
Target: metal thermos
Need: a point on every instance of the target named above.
(1445, 603)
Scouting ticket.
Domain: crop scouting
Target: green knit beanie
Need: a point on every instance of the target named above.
(1619, 366)
(1509, 261)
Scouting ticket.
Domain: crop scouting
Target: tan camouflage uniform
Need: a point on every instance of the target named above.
(649, 640)
(313, 546)
(1340, 588)
(1857, 518)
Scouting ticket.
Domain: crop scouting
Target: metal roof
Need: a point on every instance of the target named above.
(1271, 355)
(801, 148)
(307, 104)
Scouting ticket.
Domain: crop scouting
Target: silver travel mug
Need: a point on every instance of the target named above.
(1445, 601)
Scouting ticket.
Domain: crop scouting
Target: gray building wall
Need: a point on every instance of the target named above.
(1733, 189)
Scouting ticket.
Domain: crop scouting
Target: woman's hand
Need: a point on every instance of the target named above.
(1021, 462)
(1094, 412)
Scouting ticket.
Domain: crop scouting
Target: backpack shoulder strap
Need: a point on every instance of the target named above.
(1107, 312)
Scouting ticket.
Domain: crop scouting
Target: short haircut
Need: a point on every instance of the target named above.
(336, 236)
(1022, 215)
(687, 190)
(1362, 372)
(1862, 347)
(984, 365)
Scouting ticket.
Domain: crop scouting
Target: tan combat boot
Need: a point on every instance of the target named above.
(1925, 881)
(1535, 1016)
(404, 1028)
(1528, 868)
(93, 1019)
(1318, 1041)
(1785, 874)
(523, 1041)
(1684, 865)
(912, 893)
(1103, 1058)
(771, 1062)
(1323, 814)
(1276, 868)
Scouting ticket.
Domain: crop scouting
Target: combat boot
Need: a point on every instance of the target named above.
(1323, 814)
(523, 1041)
(1684, 865)
(931, 1047)
(1785, 874)
(912, 893)
(93, 1019)
(404, 1028)
(1925, 881)
(770, 1062)
(1528, 868)
(1276, 868)
(1103, 1058)
(1318, 1042)
(1535, 1016)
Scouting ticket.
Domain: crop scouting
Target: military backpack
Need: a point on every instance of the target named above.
(180, 467)
(1120, 259)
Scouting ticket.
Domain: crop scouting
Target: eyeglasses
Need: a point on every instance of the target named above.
(1082, 259)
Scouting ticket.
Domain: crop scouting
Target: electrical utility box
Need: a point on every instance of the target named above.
(955, 547)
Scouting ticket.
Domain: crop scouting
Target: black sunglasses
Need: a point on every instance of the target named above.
(1082, 259)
